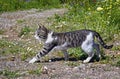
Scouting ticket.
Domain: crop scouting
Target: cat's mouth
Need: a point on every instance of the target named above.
(39, 39)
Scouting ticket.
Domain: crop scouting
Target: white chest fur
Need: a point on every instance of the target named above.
(49, 38)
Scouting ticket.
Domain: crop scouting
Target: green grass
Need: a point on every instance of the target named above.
(8, 5)
(82, 14)
(24, 31)
(77, 53)
(37, 71)
(14, 74)
(117, 63)
(87, 15)
(9, 74)
(72, 64)
(2, 31)
(20, 21)
(23, 48)
(7, 47)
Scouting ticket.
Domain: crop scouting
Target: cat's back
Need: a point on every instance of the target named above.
(76, 32)
(74, 38)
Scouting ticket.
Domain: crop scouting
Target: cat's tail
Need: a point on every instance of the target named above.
(101, 41)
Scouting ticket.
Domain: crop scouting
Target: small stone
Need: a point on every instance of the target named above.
(12, 58)
(45, 70)
(76, 69)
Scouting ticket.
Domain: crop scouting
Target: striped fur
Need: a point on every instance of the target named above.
(63, 41)
(101, 41)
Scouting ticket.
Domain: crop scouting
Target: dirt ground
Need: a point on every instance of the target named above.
(58, 69)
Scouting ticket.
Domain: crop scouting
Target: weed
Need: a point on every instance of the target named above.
(87, 16)
(9, 74)
(25, 54)
(116, 48)
(118, 63)
(11, 47)
(77, 53)
(2, 31)
(37, 71)
(20, 21)
(72, 64)
(4, 43)
(24, 31)
(96, 16)
(105, 60)
(27, 4)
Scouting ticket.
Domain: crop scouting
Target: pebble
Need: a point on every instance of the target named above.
(45, 70)
(76, 69)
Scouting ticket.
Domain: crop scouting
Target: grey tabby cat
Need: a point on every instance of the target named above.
(63, 41)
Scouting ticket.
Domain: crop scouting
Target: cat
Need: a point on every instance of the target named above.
(62, 41)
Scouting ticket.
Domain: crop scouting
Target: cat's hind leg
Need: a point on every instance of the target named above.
(97, 49)
(90, 56)
(66, 55)
(88, 49)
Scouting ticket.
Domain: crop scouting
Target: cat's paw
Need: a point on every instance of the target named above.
(85, 61)
(33, 60)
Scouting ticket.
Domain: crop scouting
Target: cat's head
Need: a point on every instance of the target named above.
(41, 33)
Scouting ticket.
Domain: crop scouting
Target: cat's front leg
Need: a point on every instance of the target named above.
(36, 58)
(46, 49)
(33, 60)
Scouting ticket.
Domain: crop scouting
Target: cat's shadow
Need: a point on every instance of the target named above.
(70, 59)
(59, 59)
(63, 59)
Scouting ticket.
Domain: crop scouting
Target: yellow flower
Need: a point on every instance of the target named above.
(99, 9)
(117, 0)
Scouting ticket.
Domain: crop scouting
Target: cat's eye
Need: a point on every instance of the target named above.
(38, 34)
(43, 37)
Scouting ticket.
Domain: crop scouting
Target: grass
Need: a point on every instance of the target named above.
(24, 31)
(80, 18)
(117, 63)
(7, 47)
(88, 17)
(20, 21)
(81, 15)
(14, 74)
(25, 50)
(9, 74)
(101, 16)
(2, 31)
(72, 64)
(37, 71)
(27, 4)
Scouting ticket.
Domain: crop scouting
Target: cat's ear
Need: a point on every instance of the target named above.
(41, 26)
